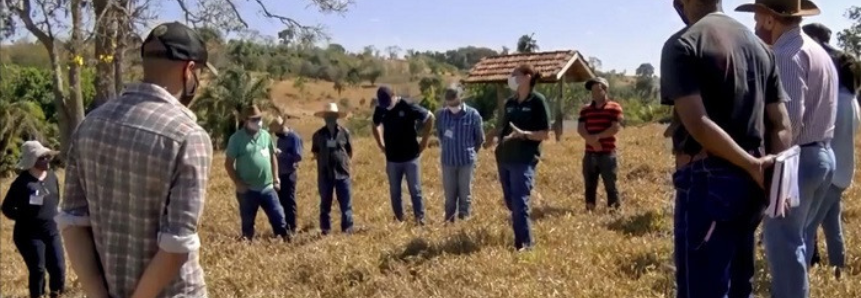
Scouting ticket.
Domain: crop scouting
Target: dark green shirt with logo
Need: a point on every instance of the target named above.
(532, 114)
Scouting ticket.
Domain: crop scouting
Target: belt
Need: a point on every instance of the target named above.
(682, 159)
(818, 143)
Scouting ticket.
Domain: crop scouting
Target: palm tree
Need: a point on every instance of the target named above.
(527, 44)
(232, 91)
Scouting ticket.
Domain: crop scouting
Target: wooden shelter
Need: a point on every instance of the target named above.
(556, 67)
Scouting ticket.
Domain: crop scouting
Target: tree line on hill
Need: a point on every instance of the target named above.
(84, 51)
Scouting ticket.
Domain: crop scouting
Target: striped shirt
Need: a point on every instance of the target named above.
(810, 80)
(460, 135)
(598, 119)
(136, 172)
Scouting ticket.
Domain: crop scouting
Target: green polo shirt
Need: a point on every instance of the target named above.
(533, 114)
(253, 158)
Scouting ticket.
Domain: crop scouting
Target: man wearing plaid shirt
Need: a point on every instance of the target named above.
(136, 178)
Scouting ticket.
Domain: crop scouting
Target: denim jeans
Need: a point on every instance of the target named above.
(785, 238)
(600, 166)
(287, 197)
(396, 172)
(517, 180)
(718, 208)
(42, 250)
(328, 187)
(829, 218)
(457, 184)
(251, 201)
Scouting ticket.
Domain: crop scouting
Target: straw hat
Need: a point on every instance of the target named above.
(784, 8)
(251, 111)
(30, 153)
(330, 108)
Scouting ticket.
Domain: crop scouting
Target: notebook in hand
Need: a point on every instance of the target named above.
(783, 183)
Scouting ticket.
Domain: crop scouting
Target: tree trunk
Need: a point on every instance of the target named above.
(105, 40)
(65, 121)
(75, 107)
(121, 37)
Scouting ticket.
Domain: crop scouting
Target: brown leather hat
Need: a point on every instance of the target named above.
(251, 111)
(784, 8)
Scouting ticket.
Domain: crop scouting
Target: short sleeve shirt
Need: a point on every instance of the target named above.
(253, 155)
(400, 132)
(732, 70)
(532, 114)
(600, 118)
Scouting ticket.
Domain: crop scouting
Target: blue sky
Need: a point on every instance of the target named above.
(622, 33)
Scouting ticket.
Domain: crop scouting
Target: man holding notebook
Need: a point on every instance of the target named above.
(724, 86)
(810, 80)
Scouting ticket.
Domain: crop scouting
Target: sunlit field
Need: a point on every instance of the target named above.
(578, 254)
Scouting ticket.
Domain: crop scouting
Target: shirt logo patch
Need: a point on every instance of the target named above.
(401, 114)
(509, 110)
(526, 109)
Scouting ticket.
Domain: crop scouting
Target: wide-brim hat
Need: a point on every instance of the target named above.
(598, 80)
(31, 151)
(330, 108)
(784, 8)
(251, 111)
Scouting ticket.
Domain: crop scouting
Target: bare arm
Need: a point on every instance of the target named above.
(780, 132)
(427, 128)
(378, 136)
(273, 160)
(229, 164)
(609, 132)
(74, 223)
(178, 238)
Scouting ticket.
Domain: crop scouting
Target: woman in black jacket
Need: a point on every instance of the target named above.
(32, 203)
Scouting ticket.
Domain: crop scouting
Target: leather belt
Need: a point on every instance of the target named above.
(683, 159)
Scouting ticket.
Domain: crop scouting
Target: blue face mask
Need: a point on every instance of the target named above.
(680, 9)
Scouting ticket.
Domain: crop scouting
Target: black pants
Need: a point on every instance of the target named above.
(603, 166)
(287, 197)
(42, 250)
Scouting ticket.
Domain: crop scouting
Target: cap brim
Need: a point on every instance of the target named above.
(807, 9)
(749, 7)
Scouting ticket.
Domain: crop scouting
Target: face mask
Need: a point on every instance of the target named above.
(680, 9)
(254, 125)
(454, 109)
(512, 83)
(188, 92)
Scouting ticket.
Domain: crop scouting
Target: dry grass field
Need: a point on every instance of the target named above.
(578, 254)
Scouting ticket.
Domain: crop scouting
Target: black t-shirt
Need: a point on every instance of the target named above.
(731, 69)
(533, 114)
(31, 203)
(400, 133)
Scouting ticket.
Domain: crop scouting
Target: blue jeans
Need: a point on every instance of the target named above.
(829, 217)
(718, 208)
(41, 250)
(287, 197)
(786, 239)
(396, 172)
(327, 188)
(517, 180)
(457, 184)
(267, 199)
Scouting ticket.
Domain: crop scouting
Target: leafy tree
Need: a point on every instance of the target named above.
(233, 90)
(527, 44)
(430, 88)
(850, 38)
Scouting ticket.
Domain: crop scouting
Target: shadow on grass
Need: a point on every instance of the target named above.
(639, 265)
(420, 250)
(546, 212)
(638, 225)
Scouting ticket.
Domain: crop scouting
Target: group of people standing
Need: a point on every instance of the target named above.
(740, 97)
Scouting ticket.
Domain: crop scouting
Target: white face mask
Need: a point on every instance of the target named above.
(455, 109)
(254, 125)
(512, 83)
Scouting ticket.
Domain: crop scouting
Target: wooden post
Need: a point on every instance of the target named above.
(559, 126)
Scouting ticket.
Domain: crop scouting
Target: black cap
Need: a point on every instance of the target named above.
(180, 43)
(818, 31)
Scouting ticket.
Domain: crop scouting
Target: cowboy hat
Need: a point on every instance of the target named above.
(784, 8)
(31, 151)
(330, 108)
(251, 111)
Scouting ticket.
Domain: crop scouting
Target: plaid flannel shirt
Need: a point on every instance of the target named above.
(136, 173)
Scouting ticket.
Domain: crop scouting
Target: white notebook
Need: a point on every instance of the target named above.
(784, 183)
